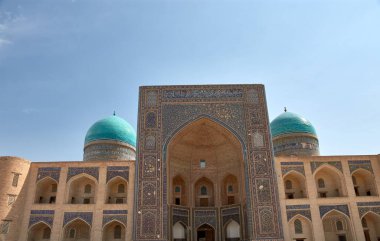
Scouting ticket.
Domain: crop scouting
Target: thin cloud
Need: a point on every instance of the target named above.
(4, 42)
(29, 110)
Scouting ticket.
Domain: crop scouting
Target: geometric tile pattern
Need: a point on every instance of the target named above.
(292, 166)
(46, 216)
(336, 164)
(115, 215)
(117, 171)
(364, 164)
(181, 214)
(92, 171)
(293, 210)
(365, 207)
(85, 216)
(231, 213)
(327, 208)
(53, 172)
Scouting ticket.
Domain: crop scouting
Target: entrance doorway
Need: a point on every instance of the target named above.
(205, 233)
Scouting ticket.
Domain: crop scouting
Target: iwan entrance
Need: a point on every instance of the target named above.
(206, 174)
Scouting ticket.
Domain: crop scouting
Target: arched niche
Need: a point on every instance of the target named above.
(205, 232)
(364, 183)
(82, 189)
(46, 190)
(77, 230)
(179, 191)
(336, 226)
(204, 193)
(39, 232)
(232, 231)
(114, 231)
(329, 182)
(300, 228)
(295, 185)
(230, 190)
(371, 226)
(204, 148)
(179, 232)
(117, 191)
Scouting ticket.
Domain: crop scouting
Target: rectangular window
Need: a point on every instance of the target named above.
(86, 201)
(15, 179)
(290, 195)
(322, 195)
(119, 200)
(202, 164)
(52, 199)
(177, 201)
(4, 228)
(11, 199)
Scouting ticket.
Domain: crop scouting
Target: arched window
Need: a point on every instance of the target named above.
(288, 184)
(117, 232)
(177, 189)
(321, 183)
(230, 189)
(354, 181)
(339, 225)
(203, 190)
(46, 233)
(121, 188)
(364, 223)
(298, 226)
(72, 233)
(87, 188)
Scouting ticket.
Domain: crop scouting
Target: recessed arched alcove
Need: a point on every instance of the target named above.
(114, 231)
(364, 183)
(336, 226)
(205, 152)
(77, 230)
(46, 190)
(39, 232)
(329, 182)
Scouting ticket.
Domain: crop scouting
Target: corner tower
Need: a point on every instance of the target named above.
(111, 138)
(293, 134)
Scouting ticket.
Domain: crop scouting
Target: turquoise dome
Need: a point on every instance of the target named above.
(111, 128)
(291, 123)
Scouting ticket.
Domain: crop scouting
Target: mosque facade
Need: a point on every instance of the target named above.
(205, 165)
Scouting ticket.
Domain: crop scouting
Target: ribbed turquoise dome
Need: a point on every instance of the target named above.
(289, 123)
(112, 128)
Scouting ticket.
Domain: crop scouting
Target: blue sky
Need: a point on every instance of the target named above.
(65, 64)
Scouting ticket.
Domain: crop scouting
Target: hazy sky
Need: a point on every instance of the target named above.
(66, 64)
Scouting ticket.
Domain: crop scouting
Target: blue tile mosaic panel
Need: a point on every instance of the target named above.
(363, 164)
(92, 171)
(337, 164)
(118, 171)
(70, 216)
(341, 208)
(45, 216)
(53, 172)
(115, 215)
(293, 210)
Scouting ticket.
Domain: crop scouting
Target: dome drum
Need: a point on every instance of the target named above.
(296, 146)
(108, 151)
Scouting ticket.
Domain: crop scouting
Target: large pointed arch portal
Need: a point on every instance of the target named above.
(205, 156)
